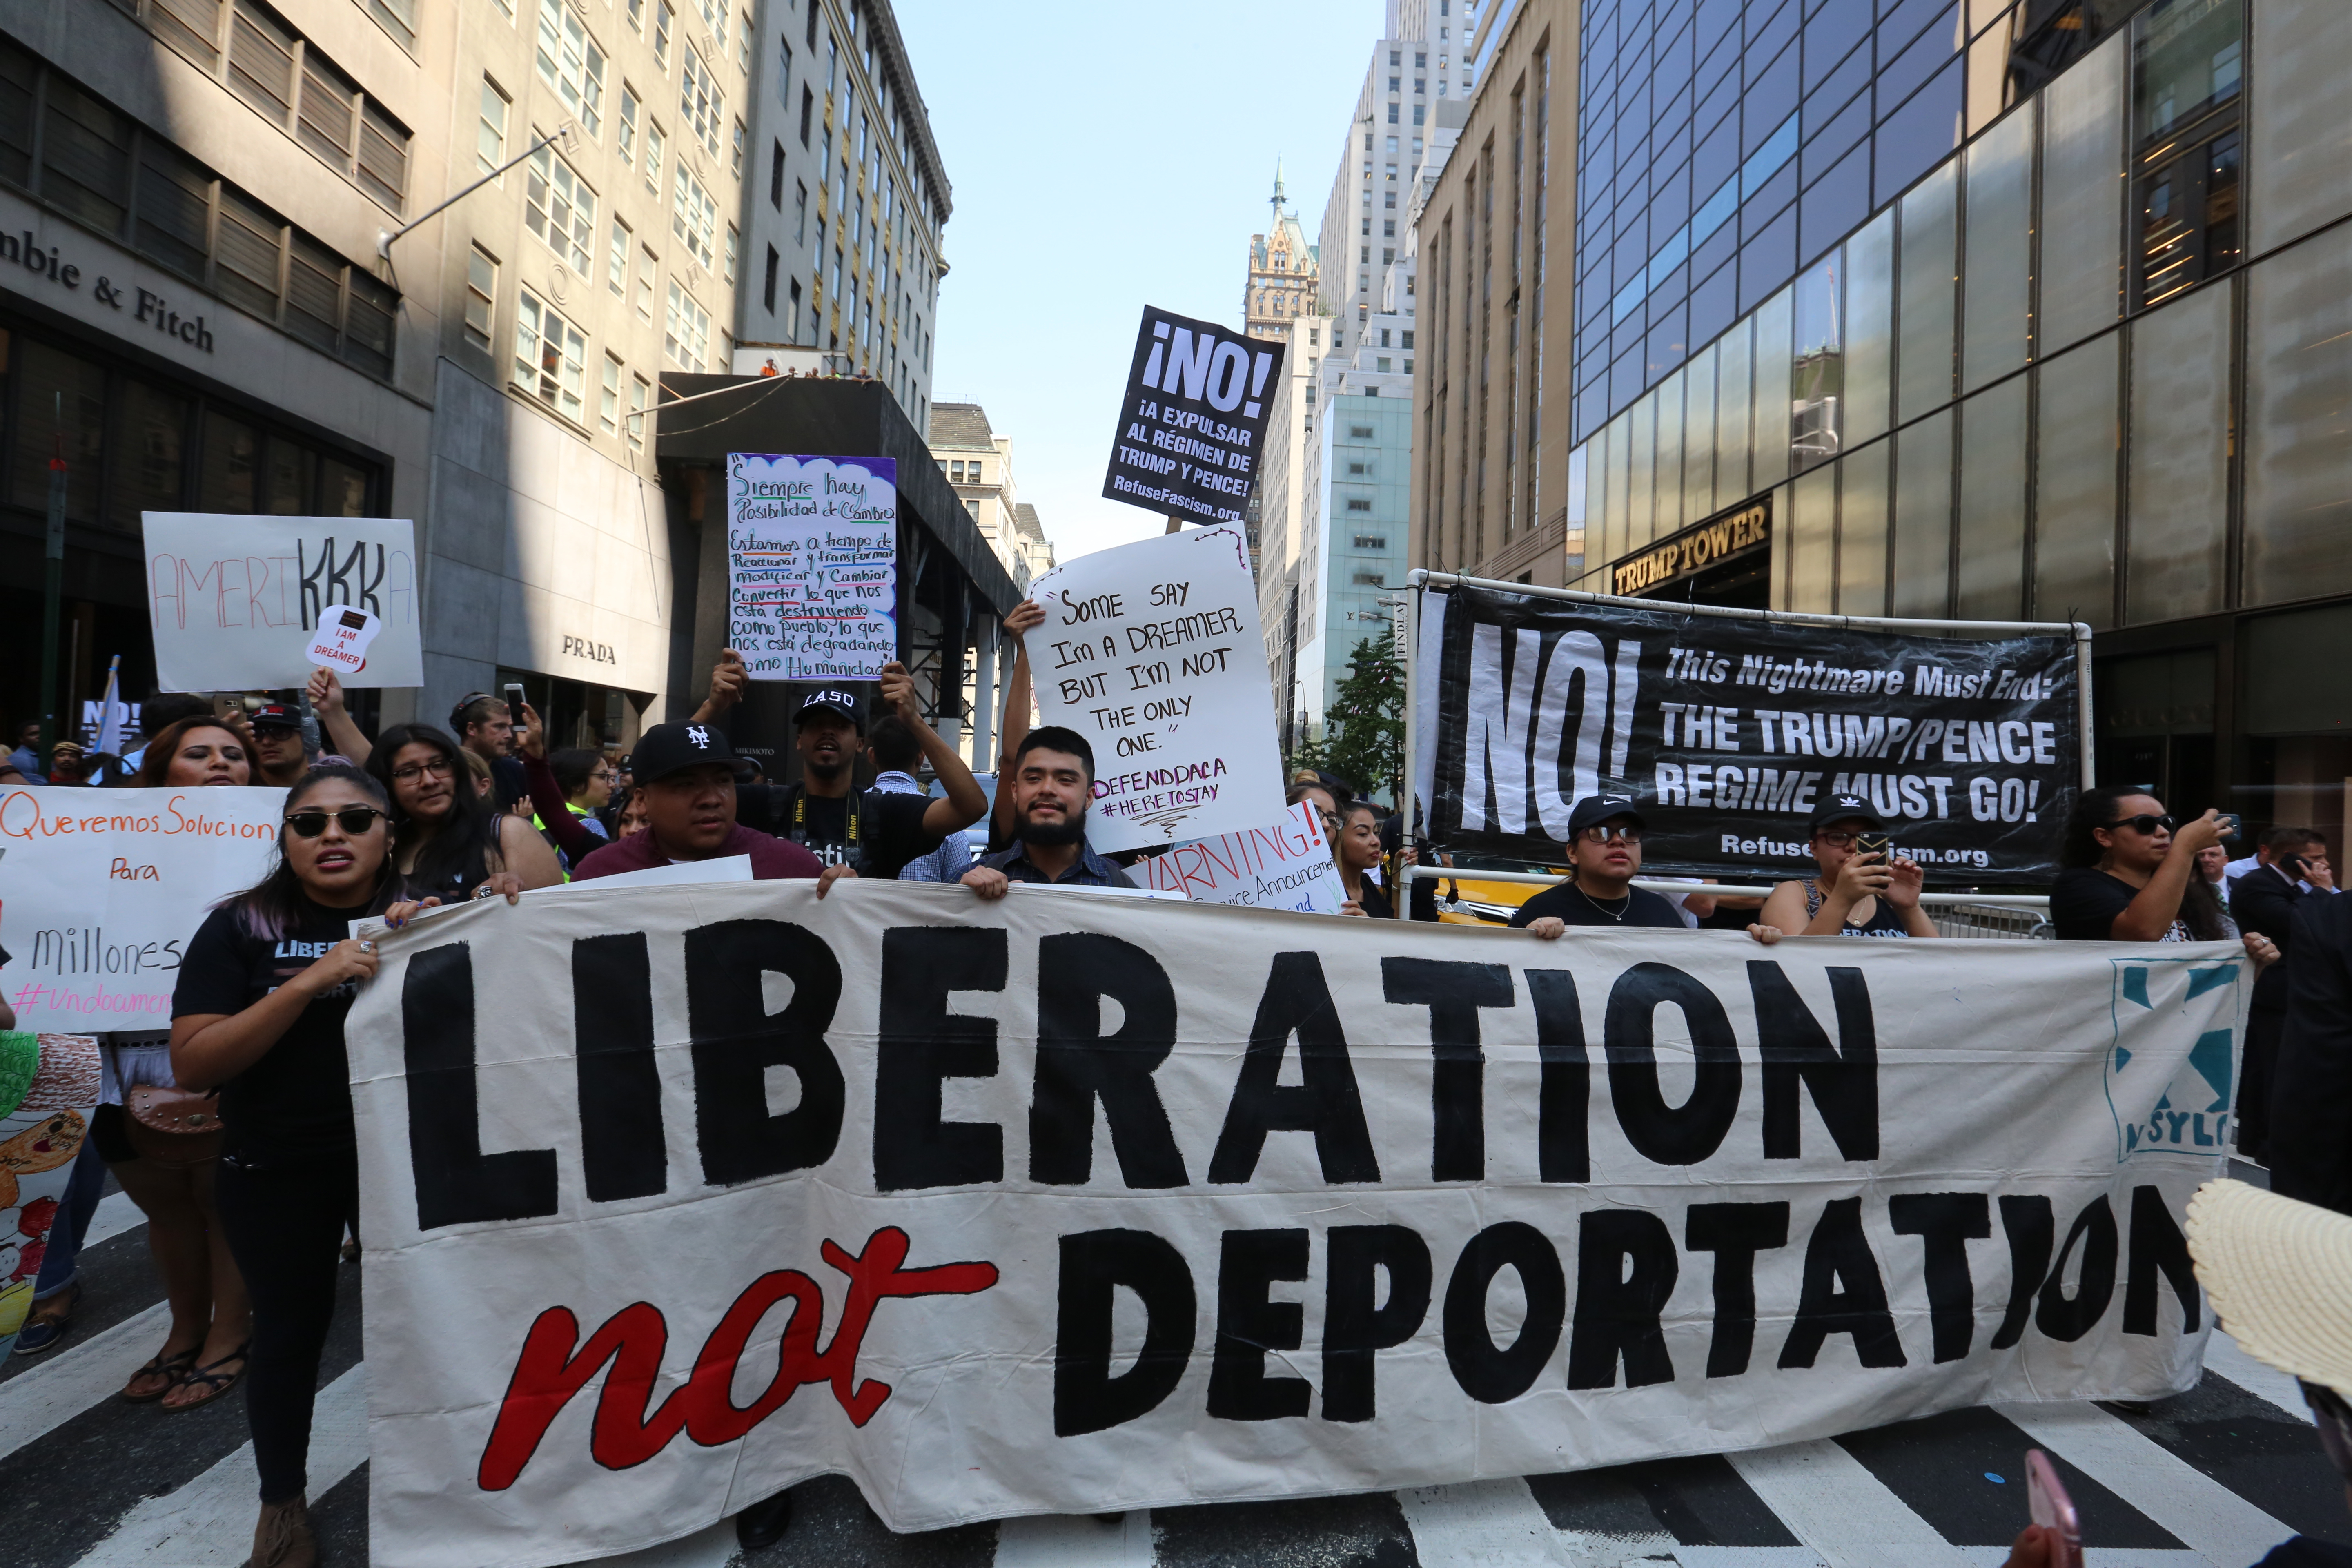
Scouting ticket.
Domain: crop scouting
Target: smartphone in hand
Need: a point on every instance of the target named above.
(514, 703)
(2045, 1496)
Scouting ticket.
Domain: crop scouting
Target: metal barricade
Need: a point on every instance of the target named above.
(1985, 920)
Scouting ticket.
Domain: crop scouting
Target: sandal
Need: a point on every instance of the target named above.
(215, 1383)
(172, 1369)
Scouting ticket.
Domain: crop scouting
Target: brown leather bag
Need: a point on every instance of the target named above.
(173, 1127)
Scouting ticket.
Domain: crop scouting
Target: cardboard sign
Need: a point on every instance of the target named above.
(1192, 426)
(813, 565)
(1151, 651)
(1074, 1204)
(342, 641)
(236, 601)
(101, 891)
(1286, 867)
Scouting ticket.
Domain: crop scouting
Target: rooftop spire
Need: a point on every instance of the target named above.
(1278, 192)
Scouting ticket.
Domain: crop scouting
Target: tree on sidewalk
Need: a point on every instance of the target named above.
(1363, 737)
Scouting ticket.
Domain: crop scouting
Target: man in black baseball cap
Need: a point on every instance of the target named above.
(1604, 855)
(686, 773)
(1864, 887)
(278, 757)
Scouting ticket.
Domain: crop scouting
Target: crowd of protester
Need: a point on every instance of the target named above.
(247, 1226)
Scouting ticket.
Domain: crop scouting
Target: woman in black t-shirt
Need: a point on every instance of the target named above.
(2131, 875)
(258, 1013)
(449, 842)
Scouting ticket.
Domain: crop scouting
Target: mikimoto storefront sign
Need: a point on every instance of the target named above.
(1710, 543)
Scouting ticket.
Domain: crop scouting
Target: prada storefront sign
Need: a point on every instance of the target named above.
(1721, 538)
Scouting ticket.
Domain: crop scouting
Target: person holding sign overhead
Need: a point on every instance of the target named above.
(1604, 855)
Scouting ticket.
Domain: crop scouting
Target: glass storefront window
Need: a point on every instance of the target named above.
(2300, 140)
(151, 438)
(2082, 148)
(2074, 485)
(1698, 437)
(2298, 487)
(2295, 700)
(2178, 497)
(1817, 373)
(1923, 516)
(1774, 359)
(1812, 541)
(1869, 329)
(1734, 399)
(1924, 349)
(1862, 531)
(59, 394)
(1641, 472)
(1668, 503)
(2185, 62)
(2154, 717)
(1995, 297)
(232, 464)
(1620, 444)
(286, 479)
(1993, 503)
(2185, 71)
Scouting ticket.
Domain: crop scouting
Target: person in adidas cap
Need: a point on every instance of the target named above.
(1862, 887)
(686, 773)
(1604, 855)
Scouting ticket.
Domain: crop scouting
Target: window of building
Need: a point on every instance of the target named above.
(551, 360)
(655, 142)
(1359, 503)
(637, 9)
(647, 263)
(776, 177)
(570, 63)
(1371, 541)
(625, 139)
(1381, 363)
(793, 324)
(640, 399)
(686, 333)
(665, 24)
(744, 48)
(694, 217)
(490, 134)
(735, 158)
(1387, 230)
(784, 71)
(481, 297)
(1392, 120)
(617, 261)
(700, 102)
(734, 246)
(808, 110)
(1391, 147)
(768, 286)
(800, 213)
(561, 209)
(608, 397)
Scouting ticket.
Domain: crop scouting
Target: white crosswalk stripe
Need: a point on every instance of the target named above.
(1830, 1502)
(1481, 1524)
(35, 1403)
(1075, 1540)
(2205, 1516)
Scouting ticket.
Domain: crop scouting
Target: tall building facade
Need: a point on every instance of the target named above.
(292, 321)
(978, 461)
(845, 196)
(1993, 311)
(1282, 271)
(1492, 486)
(1282, 500)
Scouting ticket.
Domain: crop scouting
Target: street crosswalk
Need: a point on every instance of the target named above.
(2212, 1479)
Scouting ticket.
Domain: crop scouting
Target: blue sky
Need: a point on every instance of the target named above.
(1101, 157)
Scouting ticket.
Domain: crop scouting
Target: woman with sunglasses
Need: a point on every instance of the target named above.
(258, 1014)
(1863, 889)
(2131, 875)
(449, 842)
(203, 1353)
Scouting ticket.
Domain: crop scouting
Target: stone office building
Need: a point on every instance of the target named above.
(1993, 311)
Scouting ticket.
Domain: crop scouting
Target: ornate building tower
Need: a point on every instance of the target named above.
(1281, 272)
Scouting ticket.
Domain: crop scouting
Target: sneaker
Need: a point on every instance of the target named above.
(763, 1523)
(282, 1537)
(49, 1322)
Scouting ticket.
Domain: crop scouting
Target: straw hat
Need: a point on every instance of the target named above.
(2280, 1275)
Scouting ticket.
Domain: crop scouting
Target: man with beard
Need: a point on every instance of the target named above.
(1053, 783)
(876, 832)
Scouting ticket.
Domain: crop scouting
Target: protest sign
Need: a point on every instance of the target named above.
(235, 599)
(1151, 651)
(48, 1088)
(813, 565)
(1732, 732)
(342, 641)
(101, 891)
(732, 1186)
(1286, 867)
(1192, 423)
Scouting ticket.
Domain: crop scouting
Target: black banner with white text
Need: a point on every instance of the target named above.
(1192, 430)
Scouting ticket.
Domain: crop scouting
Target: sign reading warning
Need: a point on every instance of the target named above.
(1191, 427)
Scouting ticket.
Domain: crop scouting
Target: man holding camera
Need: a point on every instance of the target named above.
(1864, 887)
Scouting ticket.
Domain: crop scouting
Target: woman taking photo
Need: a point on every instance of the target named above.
(259, 1014)
(448, 841)
(1863, 888)
(2131, 875)
(203, 1353)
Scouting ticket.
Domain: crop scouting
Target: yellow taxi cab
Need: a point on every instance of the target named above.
(1465, 899)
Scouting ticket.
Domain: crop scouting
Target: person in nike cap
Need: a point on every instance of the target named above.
(1604, 855)
(686, 775)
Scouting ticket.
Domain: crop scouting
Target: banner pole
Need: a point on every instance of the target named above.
(2083, 702)
(1406, 800)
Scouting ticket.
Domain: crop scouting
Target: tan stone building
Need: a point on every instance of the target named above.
(1282, 277)
(1491, 386)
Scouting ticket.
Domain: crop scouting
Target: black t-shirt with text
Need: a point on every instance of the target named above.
(294, 1104)
(2086, 900)
(888, 828)
(1569, 904)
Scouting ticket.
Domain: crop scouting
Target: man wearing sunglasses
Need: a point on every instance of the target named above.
(1604, 856)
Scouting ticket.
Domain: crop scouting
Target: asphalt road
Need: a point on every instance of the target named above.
(2211, 1478)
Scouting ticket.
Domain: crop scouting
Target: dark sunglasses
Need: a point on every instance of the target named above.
(354, 820)
(2145, 822)
(1610, 833)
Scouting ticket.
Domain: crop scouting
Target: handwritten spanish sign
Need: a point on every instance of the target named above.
(237, 601)
(1286, 867)
(1193, 426)
(1152, 652)
(813, 565)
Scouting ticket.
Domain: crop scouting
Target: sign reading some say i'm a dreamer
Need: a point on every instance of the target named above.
(813, 565)
(1151, 651)
(1192, 426)
(236, 601)
(1379, 1205)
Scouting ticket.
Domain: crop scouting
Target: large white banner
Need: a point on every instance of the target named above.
(1151, 651)
(235, 598)
(101, 888)
(1067, 1204)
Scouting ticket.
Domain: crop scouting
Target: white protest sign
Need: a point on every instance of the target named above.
(101, 888)
(1286, 867)
(342, 641)
(1151, 651)
(813, 565)
(1226, 1203)
(234, 600)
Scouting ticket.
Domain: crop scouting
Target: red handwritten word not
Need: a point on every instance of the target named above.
(549, 1371)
